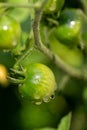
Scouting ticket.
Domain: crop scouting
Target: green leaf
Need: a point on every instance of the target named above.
(65, 123)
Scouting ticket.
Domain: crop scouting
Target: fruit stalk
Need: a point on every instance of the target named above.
(56, 59)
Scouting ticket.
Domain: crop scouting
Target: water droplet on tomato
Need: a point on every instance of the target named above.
(52, 96)
(38, 102)
(46, 99)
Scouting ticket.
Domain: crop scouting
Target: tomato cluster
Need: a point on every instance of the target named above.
(38, 92)
(66, 37)
(36, 77)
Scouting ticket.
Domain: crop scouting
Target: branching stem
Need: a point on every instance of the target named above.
(56, 59)
(21, 58)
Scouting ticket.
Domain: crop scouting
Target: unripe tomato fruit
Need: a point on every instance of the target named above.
(10, 32)
(53, 6)
(71, 56)
(69, 29)
(4, 82)
(39, 83)
(33, 117)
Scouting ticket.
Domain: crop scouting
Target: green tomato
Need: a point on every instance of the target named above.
(70, 14)
(39, 83)
(54, 6)
(72, 57)
(69, 29)
(10, 32)
(68, 33)
(45, 115)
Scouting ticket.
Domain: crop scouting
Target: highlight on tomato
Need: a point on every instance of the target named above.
(68, 31)
(39, 83)
(10, 32)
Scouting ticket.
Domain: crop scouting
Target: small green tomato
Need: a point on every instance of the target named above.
(69, 30)
(71, 56)
(54, 6)
(10, 32)
(39, 83)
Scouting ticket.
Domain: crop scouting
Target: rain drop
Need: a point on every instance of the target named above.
(46, 99)
(38, 102)
(52, 96)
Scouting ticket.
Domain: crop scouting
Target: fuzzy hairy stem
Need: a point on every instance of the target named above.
(56, 59)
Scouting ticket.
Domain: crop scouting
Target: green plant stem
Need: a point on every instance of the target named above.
(56, 59)
(16, 81)
(8, 5)
(84, 2)
(27, 53)
(22, 72)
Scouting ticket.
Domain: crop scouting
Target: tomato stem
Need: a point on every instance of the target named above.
(74, 72)
(14, 80)
(63, 82)
(22, 72)
(9, 5)
(22, 57)
(55, 22)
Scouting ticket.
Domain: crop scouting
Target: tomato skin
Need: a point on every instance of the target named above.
(10, 32)
(54, 6)
(43, 115)
(39, 83)
(4, 82)
(69, 30)
(67, 34)
(71, 56)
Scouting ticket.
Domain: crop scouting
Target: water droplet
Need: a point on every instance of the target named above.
(46, 99)
(52, 96)
(38, 102)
